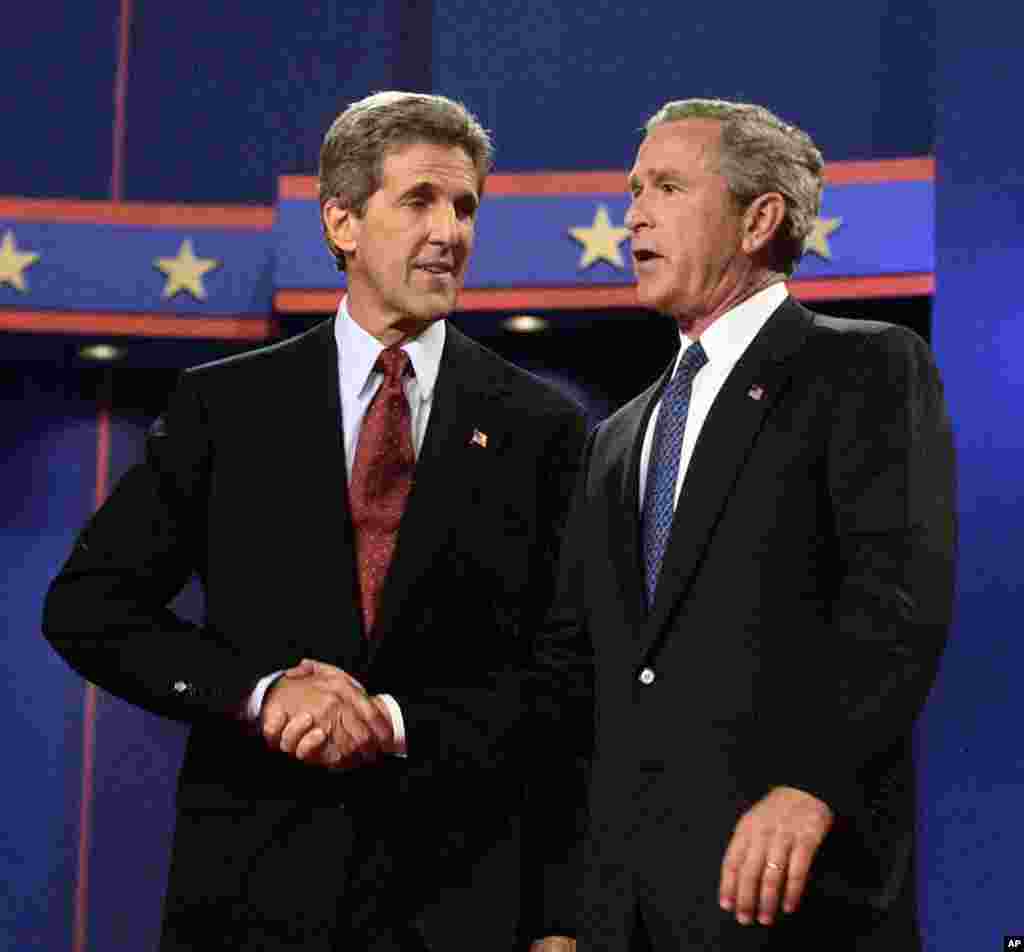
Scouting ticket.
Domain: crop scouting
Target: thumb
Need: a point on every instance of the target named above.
(304, 669)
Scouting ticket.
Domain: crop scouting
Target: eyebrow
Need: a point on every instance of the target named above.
(656, 176)
(426, 189)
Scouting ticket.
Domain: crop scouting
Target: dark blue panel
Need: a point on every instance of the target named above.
(137, 760)
(972, 756)
(57, 67)
(971, 750)
(48, 445)
(978, 126)
(566, 84)
(227, 96)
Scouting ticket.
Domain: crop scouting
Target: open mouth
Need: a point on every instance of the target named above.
(642, 255)
(437, 269)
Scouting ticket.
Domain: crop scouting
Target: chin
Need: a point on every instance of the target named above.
(649, 298)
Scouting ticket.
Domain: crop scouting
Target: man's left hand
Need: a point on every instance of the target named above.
(770, 854)
(554, 943)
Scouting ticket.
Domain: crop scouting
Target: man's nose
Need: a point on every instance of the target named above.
(444, 224)
(635, 216)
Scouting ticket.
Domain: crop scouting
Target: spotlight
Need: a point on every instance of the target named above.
(101, 352)
(524, 324)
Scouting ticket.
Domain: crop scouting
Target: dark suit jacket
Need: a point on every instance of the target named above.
(244, 482)
(801, 611)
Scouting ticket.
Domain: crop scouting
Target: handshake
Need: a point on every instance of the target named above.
(322, 716)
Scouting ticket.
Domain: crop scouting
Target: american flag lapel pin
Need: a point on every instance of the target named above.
(480, 439)
(756, 392)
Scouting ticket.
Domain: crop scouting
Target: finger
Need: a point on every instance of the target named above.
(274, 721)
(773, 878)
(749, 886)
(340, 742)
(303, 669)
(375, 720)
(311, 743)
(336, 677)
(731, 865)
(319, 668)
(799, 869)
(357, 731)
(293, 733)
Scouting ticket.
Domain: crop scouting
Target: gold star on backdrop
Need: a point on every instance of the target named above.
(185, 272)
(600, 240)
(14, 262)
(817, 241)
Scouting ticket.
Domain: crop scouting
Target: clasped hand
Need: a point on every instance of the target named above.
(323, 716)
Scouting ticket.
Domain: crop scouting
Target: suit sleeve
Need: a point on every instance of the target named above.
(560, 737)
(106, 611)
(891, 485)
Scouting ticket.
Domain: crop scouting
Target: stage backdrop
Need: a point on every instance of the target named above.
(213, 102)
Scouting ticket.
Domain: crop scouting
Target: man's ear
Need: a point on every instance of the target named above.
(341, 225)
(761, 220)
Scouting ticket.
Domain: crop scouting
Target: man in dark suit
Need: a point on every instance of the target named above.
(373, 509)
(761, 554)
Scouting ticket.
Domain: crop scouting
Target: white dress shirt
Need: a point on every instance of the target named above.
(358, 351)
(724, 343)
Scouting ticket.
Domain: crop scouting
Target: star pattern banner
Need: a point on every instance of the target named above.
(544, 238)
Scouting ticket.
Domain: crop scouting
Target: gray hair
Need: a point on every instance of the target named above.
(355, 146)
(760, 153)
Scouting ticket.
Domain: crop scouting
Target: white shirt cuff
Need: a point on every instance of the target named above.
(254, 706)
(397, 724)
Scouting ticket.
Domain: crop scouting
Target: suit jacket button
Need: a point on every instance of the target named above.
(180, 687)
(646, 676)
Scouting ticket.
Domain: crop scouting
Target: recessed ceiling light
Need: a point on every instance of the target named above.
(101, 352)
(524, 324)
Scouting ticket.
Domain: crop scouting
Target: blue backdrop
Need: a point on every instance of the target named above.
(222, 98)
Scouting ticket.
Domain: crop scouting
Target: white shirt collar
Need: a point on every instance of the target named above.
(358, 351)
(727, 338)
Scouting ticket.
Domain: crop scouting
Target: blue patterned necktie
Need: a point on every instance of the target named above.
(663, 464)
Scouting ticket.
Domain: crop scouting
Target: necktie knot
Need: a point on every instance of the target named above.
(692, 360)
(394, 363)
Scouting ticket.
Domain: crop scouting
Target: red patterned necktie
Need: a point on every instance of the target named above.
(381, 478)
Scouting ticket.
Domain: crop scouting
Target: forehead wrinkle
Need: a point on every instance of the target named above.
(430, 158)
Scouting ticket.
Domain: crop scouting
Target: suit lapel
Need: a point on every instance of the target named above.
(314, 417)
(624, 519)
(465, 397)
(725, 441)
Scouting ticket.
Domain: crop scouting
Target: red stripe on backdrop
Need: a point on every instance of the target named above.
(866, 286)
(120, 94)
(81, 902)
(142, 214)
(612, 182)
(80, 933)
(325, 301)
(139, 325)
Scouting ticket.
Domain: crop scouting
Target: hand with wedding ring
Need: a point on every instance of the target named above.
(770, 854)
(323, 716)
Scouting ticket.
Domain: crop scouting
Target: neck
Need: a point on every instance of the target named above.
(695, 325)
(390, 331)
